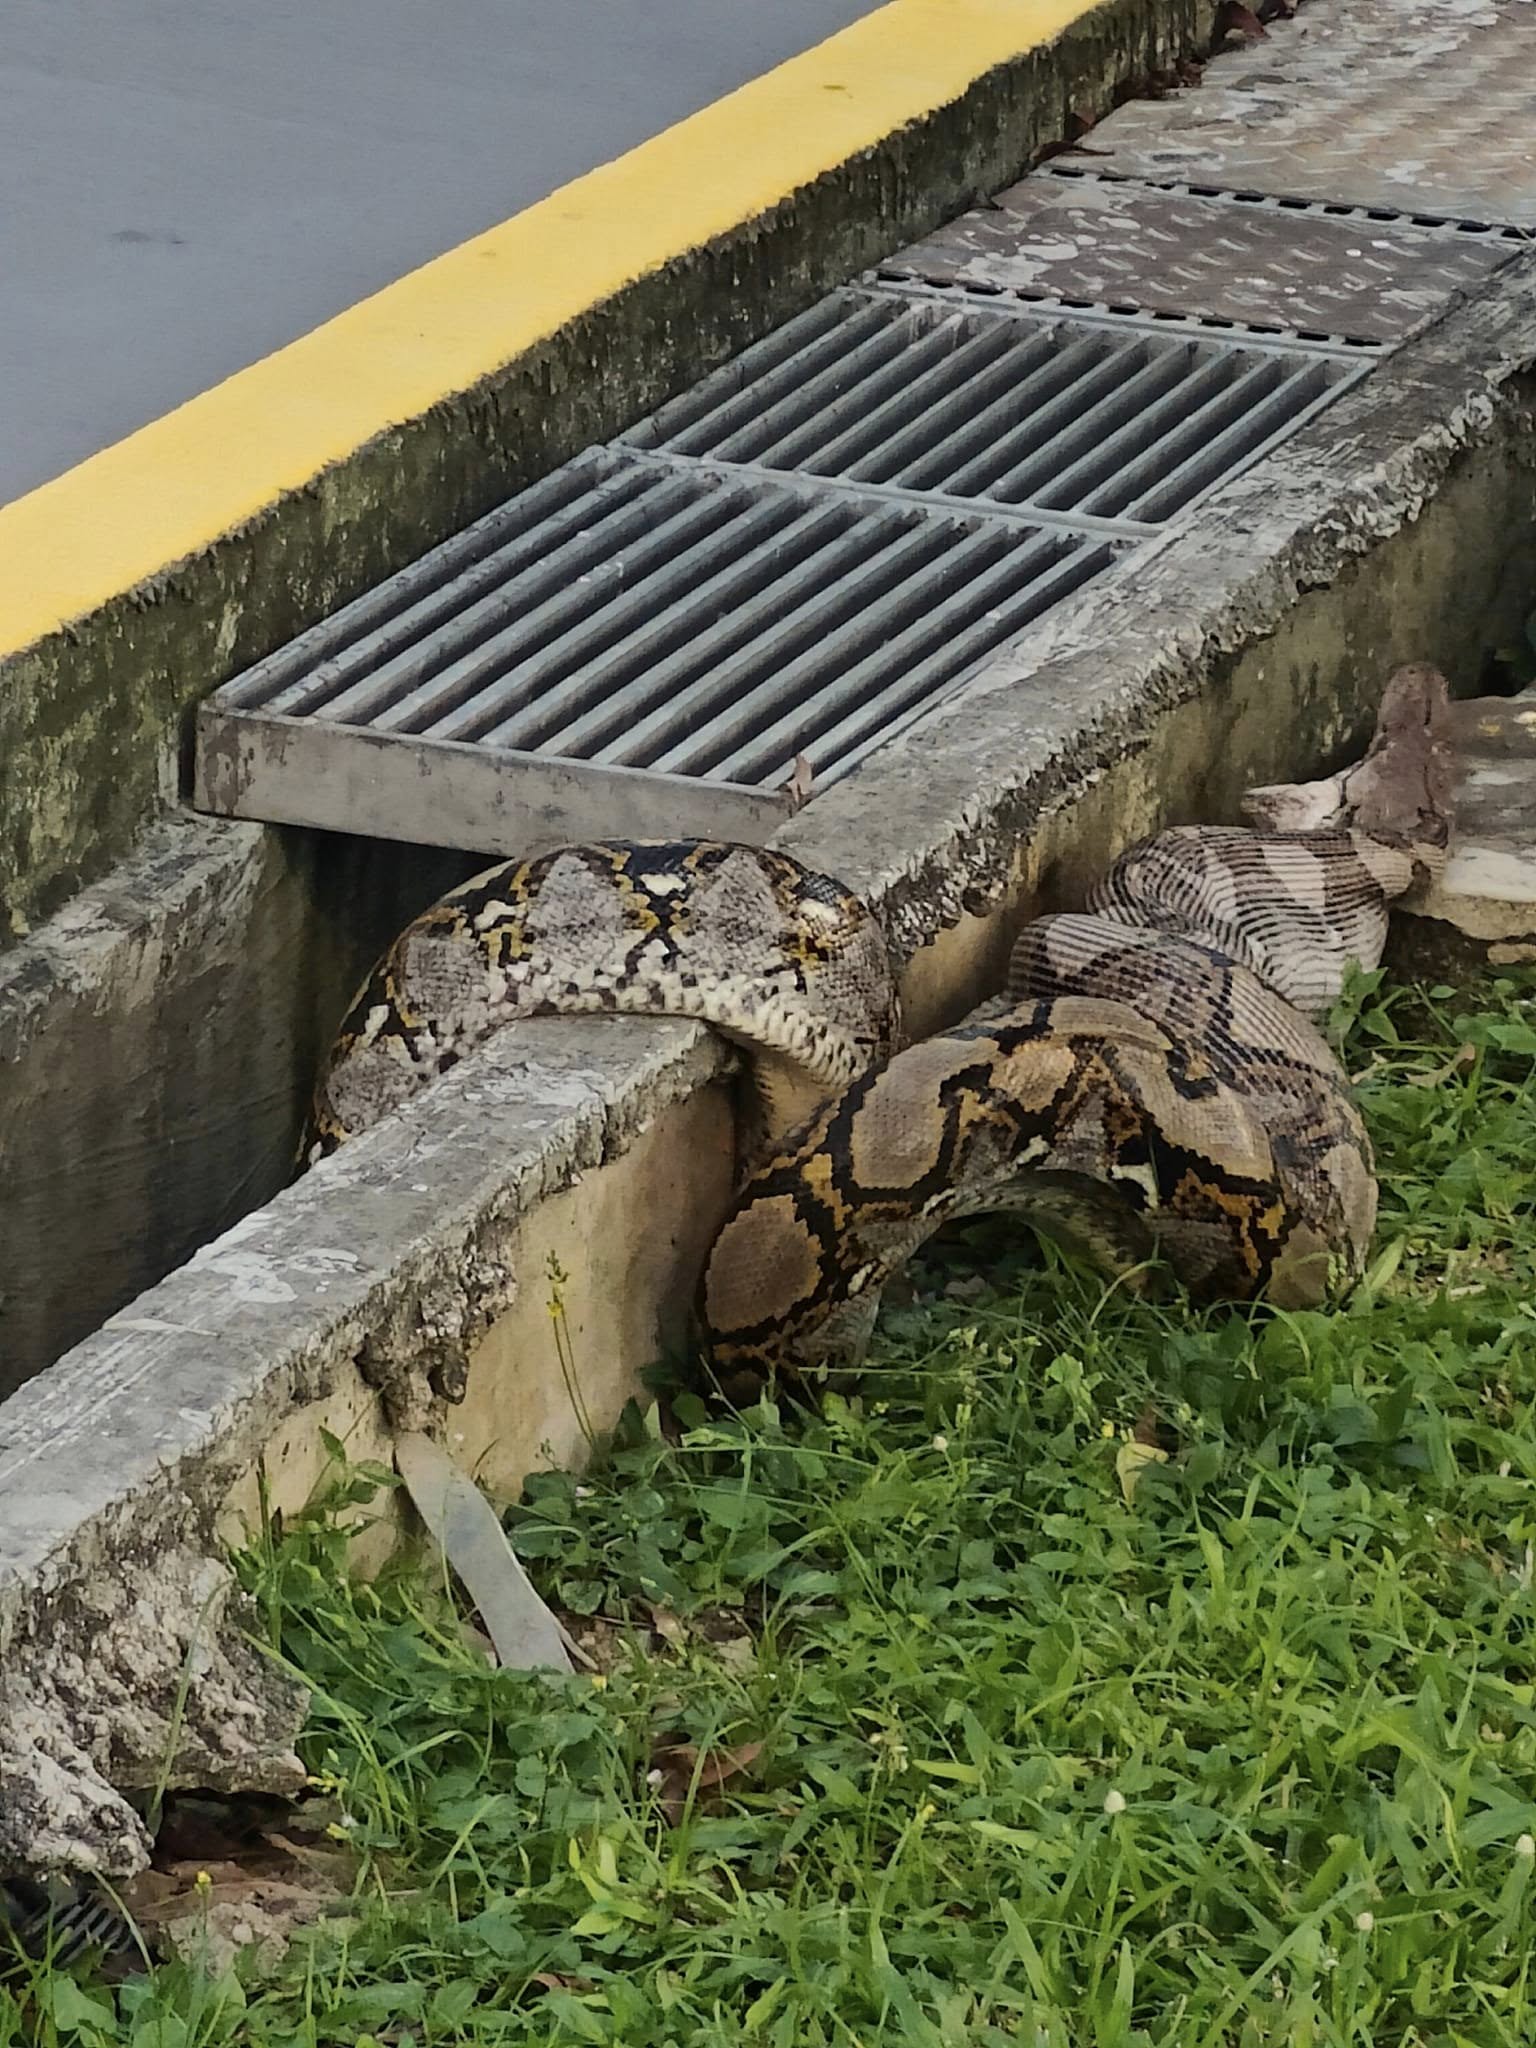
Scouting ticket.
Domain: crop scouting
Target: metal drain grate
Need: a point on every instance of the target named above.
(1212, 259)
(997, 407)
(630, 642)
(799, 556)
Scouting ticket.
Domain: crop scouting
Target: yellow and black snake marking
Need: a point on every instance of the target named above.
(781, 959)
(1149, 1085)
(1152, 1083)
(1142, 1097)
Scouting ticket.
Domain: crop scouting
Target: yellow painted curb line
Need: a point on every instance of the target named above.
(176, 485)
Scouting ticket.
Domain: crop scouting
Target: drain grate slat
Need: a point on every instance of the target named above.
(1157, 391)
(803, 647)
(868, 392)
(392, 615)
(942, 643)
(1221, 449)
(781, 627)
(1074, 376)
(865, 339)
(362, 680)
(716, 616)
(968, 370)
(875, 609)
(427, 684)
(593, 615)
(1159, 441)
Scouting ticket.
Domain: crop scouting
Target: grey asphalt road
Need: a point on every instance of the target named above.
(186, 185)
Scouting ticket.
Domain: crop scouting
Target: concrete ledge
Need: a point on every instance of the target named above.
(411, 1267)
(1249, 645)
(139, 581)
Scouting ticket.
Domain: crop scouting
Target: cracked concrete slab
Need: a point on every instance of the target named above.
(367, 1286)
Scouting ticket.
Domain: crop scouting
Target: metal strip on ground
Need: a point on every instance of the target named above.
(1078, 238)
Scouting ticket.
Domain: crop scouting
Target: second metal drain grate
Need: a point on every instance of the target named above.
(997, 405)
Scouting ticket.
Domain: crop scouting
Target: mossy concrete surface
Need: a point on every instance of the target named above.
(93, 718)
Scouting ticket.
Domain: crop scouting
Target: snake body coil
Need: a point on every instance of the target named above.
(1149, 1084)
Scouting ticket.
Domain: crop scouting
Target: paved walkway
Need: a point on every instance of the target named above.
(191, 184)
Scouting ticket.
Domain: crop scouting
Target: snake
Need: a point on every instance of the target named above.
(1151, 1088)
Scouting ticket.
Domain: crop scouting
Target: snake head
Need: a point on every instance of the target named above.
(1403, 791)
(1405, 788)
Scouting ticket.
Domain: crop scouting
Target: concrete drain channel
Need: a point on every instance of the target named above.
(1119, 494)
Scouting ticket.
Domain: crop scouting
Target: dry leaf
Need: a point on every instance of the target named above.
(1458, 1063)
(1131, 1460)
(1235, 19)
(209, 1911)
(687, 1770)
(668, 1627)
(798, 787)
(1148, 1429)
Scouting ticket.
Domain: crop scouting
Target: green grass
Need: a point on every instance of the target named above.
(1247, 1758)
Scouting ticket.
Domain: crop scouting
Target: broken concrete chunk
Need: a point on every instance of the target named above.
(136, 1683)
(1480, 911)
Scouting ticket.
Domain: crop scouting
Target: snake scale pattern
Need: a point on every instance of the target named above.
(1150, 1088)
